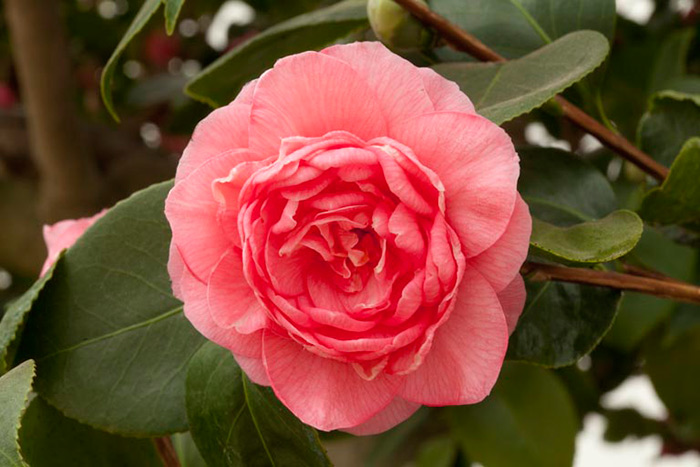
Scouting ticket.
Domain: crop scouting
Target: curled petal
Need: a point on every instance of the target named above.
(512, 299)
(395, 413)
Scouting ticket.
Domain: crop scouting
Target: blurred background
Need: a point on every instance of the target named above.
(63, 156)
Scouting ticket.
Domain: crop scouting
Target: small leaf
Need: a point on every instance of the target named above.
(172, 11)
(147, 10)
(220, 82)
(503, 91)
(110, 340)
(590, 242)
(15, 387)
(529, 420)
(677, 200)
(235, 422)
(49, 439)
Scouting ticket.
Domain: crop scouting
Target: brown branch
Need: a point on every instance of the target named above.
(644, 272)
(664, 288)
(166, 451)
(462, 40)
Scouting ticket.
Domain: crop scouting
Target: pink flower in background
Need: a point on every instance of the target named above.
(350, 229)
(64, 234)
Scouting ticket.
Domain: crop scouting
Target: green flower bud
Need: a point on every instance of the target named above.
(396, 27)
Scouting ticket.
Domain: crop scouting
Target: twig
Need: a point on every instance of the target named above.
(468, 43)
(166, 451)
(664, 288)
(644, 272)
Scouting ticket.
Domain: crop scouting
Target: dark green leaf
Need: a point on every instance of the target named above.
(437, 452)
(503, 91)
(529, 420)
(590, 242)
(172, 11)
(110, 340)
(235, 422)
(187, 451)
(670, 64)
(15, 387)
(219, 83)
(49, 439)
(147, 10)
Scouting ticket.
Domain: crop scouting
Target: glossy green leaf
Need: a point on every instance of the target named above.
(673, 118)
(589, 242)
(15, 387)
(529, 420)
(235, 422)
(110, 340)
(677, 200)
(517, 27)
(48, 439)
(220, 82)
(147, 10)
(14, 318)
(172, 11)
(503, 91)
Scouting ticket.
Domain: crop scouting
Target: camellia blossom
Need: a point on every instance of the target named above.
(64, 234)
(350, 229)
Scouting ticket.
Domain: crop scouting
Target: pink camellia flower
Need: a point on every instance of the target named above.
(64, 234)
(350, 229)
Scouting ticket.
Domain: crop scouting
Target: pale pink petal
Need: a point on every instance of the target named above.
(398, 411)
(311, 94)
(445, 94)
(478, 166)
(176, 269)
(512, 300)
(396, 82)
(323, 393)
(253, 368)
(501, 263)
(467, 352)
(232, 302)
(64, 234)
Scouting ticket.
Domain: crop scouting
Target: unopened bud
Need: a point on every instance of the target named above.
(396, 27)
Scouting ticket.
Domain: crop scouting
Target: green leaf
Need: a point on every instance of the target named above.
(147, 10)
(503, 91)
(110, 340)
(437, 452)
(15, 387)
(220, 82)
(235, 422)
(673, 118)
(677, 200)
(172, 11)
(670, 63)
(187, 451)
(48, 439)
(14, 318)
(517, 27)
(529, 420)
(590, 242)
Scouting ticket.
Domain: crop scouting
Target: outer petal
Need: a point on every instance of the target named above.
(477, 163)
(395, 413)
(512, 300)
(396, 82)
(64, 234)
(311, 94)
(445, 94)
(253, 368)
(501, 263)
(323, 393)
(176, 270)
(468, 350)
(222, 130)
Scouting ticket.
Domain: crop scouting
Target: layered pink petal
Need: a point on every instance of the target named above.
(445, 95)
(395, 413)
(311, 94)
(478, 166)
(512, 299)
(64, 234)
(323, 393)
(396, 83)
(253, 368)
(176, 270)
(467, 352)
(501, 263)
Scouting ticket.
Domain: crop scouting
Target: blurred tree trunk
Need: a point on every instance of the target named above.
(69, 180)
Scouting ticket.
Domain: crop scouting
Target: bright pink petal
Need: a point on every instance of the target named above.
(478, 166)
(395, 413)
(512, 300)
(445, 94)
(396, 83)
(253, 368)
(323, 393)
(501, 263)
(467, 352)
(311, 94)
(64, 234)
